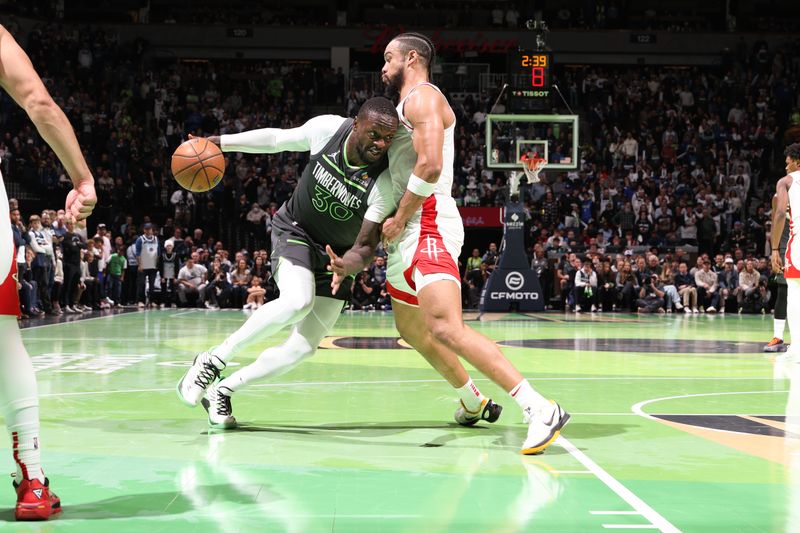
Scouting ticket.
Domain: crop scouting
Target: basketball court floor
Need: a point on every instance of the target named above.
(679, 423)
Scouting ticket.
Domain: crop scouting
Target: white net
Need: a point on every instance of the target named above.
(532, 167)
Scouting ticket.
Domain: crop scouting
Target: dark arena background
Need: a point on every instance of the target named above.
(629, 279)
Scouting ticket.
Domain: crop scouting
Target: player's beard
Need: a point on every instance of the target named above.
(394, 84)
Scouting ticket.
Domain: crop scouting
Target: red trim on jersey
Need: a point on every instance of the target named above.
(406, 124)
(790, 271)
(399, 295)
(408, 275)
(431, 255)
(9, 295)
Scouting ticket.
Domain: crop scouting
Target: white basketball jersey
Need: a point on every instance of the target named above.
(7, 251)
(402, 156)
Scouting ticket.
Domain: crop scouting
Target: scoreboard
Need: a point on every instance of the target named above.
(530, 79)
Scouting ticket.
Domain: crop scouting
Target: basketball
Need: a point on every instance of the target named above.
(198, 165)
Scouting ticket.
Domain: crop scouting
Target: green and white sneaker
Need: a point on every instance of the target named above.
(218, 405)
(204, 371)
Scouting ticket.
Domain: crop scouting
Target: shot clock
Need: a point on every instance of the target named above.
(530, 79)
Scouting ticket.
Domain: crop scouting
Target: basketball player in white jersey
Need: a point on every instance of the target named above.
(787, 194)
(18, 393)
(426, 235)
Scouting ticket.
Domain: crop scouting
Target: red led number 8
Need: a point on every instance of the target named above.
(537, 77)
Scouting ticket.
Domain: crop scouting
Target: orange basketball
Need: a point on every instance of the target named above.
(198, 165)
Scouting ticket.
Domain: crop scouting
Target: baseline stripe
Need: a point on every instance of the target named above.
(658, 521)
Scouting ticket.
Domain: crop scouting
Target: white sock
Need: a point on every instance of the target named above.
(19, 402)
(777, 328)
(24, 434)
(470, 396)
(528, 399)
(297, 288)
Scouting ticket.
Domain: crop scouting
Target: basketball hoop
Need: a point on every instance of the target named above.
(532, 166)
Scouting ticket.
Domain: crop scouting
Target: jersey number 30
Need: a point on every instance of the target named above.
(322, 203)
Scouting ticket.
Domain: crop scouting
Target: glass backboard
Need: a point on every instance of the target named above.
(510, 137)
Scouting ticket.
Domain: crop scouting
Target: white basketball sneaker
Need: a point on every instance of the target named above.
(544, 427)
(218, 406)
(204, 371)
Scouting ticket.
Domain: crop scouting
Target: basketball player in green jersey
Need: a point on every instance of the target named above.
(343, 193)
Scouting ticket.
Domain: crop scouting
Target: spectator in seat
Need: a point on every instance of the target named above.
(363, 291)
(687, 289)
(569, 265)
(28, 289)
(728, 285)
(651, 298)
(219, 289)
(606, 287)
(671, 295)
(585, 287)
(255, 294)
(751, 290)
(240, 279)
(707, 288)
(192, 282)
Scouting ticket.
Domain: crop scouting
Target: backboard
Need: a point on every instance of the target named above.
(553, 137)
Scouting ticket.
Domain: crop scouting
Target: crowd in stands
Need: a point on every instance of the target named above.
(62, 269)
(679, 164)
(594, 14)
(676, 164)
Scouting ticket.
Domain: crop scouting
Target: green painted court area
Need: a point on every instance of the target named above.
(678, 423)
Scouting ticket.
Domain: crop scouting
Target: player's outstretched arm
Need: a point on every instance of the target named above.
(424, 112)
(20, 80)
(778, 220)
(357, 257)
(313, 134)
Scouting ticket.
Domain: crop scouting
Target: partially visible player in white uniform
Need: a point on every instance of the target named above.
(787, 194)
(19, 401)
(426, 235)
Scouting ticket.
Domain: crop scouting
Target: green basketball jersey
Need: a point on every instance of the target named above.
(330, 200)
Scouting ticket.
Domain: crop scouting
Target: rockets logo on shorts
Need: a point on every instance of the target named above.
(432, 249)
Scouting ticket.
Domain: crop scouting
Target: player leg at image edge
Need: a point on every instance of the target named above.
(20, 408)
(778, 321)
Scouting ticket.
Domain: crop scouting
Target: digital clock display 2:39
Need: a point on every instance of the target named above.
(536, 67)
